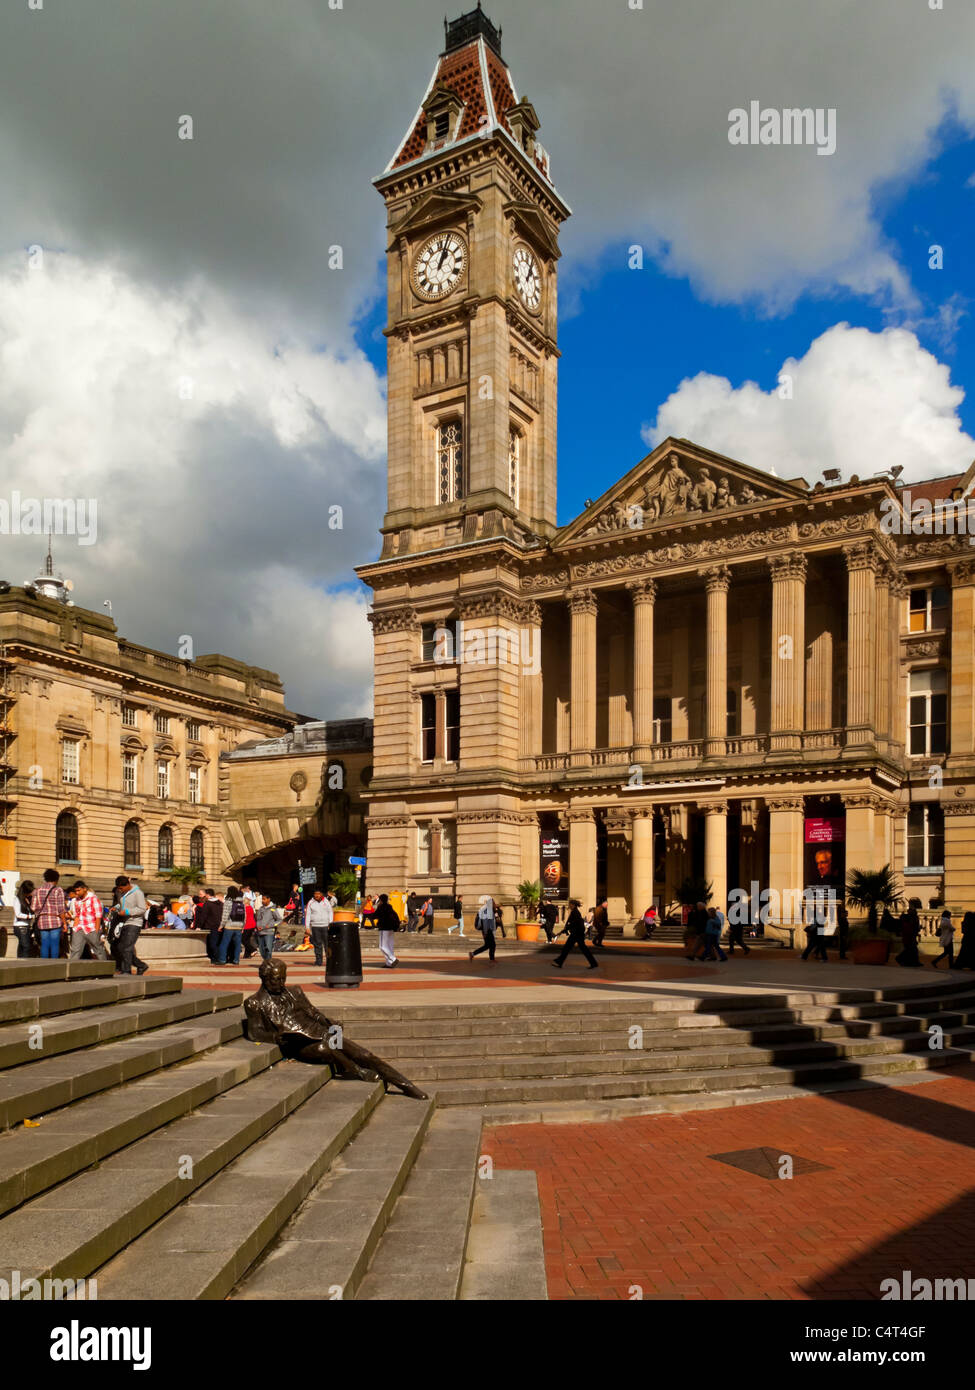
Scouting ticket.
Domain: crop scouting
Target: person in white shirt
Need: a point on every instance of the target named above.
(318, 917)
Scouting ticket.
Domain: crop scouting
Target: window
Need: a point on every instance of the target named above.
(66, 838)
(194, 786)
(130, 772)
(733, 726)
(452, 726)
(514, 465)
(423, 839)
(193, 731)
(928, 712)
(129, 716)
(428, 727)
(196, 850)
(162, 723)
(925, 837)
(438, 641)
(448, 846)
(132, 845)
(164, 857)
(450, 460)
(441, 125)
(929, 609)
(70, 760)
(662, 725)
(162, 780)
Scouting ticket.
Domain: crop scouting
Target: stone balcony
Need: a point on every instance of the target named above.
(689, 753)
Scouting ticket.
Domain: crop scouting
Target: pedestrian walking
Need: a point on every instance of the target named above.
(211, 917)
(498, 917)
(697, 920)
(946, 940)
(318, 919)
(248, 935)
(412, 911)
(47, 905)
(486, 923)
(910, 926)
(815, 929)
(736, 933)
(712, 935)
(426, 918)
(24, 920)
(966, 956)
(232, 918)
(842, 928)
(548, 916)
(458, 915)
(386, 918)
(576, 929)
(264, 925)
(600, 922)
(85, 923)
(132, 912)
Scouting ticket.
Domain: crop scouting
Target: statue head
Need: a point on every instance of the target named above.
(273, 974)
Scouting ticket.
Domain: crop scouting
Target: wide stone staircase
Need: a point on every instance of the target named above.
(146, 1143)
(512, 1057)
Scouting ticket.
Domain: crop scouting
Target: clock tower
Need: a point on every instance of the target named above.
(473, 220)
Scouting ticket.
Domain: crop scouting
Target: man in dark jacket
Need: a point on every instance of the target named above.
(576, 928)
(211, 915)
(549, 914)
(600, 922)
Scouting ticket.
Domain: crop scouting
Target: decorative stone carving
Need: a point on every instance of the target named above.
(532, 582)
(643, 590)
(916, 648)
(674, 488)
(785, 803)
(789, 566)
(494, 817)
(835, 526)
(577, 815)
(582, 601)
(393, 620)
(958, 808)
(862, 555)
(963, 572)
(387, 822)
(491, 605)
(618, 820)
(717, 579)
(532, 614)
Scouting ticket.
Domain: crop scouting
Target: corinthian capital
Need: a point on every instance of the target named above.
(861, 555)
(582, 601)
(791, 565)
(642, 591)
(717, 579)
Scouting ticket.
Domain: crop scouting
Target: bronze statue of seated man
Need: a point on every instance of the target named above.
(287, 1017)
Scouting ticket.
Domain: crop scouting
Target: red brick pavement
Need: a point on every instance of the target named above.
(640, 1203)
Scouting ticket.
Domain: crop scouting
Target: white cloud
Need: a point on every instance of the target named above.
(861, 402)
(214, 455)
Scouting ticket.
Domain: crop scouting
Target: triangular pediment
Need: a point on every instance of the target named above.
(435, 208)
(679, 483)
(532, 224)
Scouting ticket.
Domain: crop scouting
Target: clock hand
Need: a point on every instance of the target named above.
(443, 256)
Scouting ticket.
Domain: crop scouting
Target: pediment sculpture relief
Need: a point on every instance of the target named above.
(674, 489)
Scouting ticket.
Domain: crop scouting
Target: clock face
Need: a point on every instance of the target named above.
(439, 265)
(528, 277)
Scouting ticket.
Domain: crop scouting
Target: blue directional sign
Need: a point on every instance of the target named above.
(353, 860)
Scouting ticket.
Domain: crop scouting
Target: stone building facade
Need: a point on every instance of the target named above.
(707, 674)
(111, 751)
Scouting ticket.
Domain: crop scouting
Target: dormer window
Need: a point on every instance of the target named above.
(443, 112)
(441, 125)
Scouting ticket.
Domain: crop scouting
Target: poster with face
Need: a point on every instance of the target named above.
(825, 853)
(554, 871)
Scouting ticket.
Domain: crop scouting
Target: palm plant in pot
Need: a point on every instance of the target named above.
(872, 889)
(529, 896)
(344, 883)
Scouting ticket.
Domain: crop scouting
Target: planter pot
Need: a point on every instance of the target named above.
(874, 951)
(344, 914)
(526, 931)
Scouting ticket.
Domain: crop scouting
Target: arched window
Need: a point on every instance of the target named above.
(450, 460)
(165, 855)
(66, 837)
(196, 850)
(132, 845)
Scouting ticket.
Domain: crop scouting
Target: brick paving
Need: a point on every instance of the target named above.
(641, 1202)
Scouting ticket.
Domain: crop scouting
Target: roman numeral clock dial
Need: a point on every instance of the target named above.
(528, 278)
(439, 265)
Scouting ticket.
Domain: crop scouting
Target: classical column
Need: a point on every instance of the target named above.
(717, 581)
(619, 718)
(959, 860)
(961, 743)
(582, 606)
(898, 709)
(716, 853)
(644, 593)
(861, 642)
(883, 624)
(618, 821)
(641, 861)
(865, 841)
(819, 669)
(436, 845)
(582, 856)
(531, 682)
(675, 818)
(787, 714)
(785, 830)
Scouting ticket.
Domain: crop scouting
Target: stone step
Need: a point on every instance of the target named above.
(21, 1043)
(74, 1138)
(546, 1044)
(422, 1252)
(59, 997)
(324, 1251)
(505, 1248)
(686, 1082)
(80, 1225)
(208, 1242)
(36, 971)
(54, 1082)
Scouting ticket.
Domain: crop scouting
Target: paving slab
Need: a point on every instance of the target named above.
(505, 1248)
